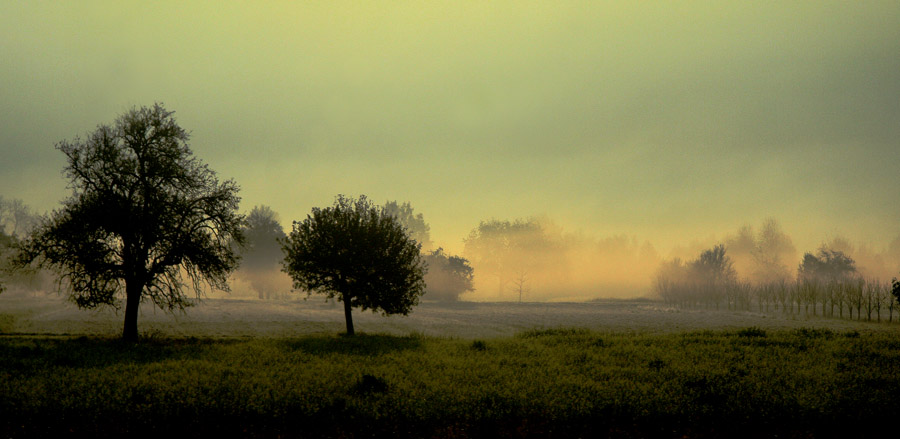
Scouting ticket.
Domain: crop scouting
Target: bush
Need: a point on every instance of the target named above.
(752, 332)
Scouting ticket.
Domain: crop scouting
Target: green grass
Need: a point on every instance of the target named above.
(541, 383)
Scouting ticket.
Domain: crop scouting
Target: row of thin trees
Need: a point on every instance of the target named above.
(854, 298)
(827, 285)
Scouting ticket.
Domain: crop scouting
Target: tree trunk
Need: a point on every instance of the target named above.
(347, 316)
(133, 291)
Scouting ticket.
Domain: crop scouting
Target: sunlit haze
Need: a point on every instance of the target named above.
(665, 126)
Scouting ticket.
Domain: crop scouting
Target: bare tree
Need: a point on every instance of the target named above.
(519, 282)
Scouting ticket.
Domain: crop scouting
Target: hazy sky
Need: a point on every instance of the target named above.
(667, 121)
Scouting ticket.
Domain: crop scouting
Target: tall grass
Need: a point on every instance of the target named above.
(541, 383)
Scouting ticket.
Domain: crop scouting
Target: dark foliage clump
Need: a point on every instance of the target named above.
(359, 254)
(370, 384)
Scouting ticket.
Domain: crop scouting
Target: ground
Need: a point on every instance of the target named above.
(53, 315)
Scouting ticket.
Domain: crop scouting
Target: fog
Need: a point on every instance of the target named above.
(633, 132)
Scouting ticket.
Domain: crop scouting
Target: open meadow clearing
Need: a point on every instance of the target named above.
(52, 315)
(608, 368)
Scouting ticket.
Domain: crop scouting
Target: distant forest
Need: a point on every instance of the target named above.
(529, 259)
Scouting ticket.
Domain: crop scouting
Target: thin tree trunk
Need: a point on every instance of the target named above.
(347, 316)
(133, 291)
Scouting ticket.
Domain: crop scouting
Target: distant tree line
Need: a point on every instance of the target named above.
(827, 284)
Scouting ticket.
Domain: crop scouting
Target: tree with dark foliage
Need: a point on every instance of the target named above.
(144, 213)
(357, 253)
(828, 265)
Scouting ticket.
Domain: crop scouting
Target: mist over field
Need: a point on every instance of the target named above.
(407, 219)
(619, 135)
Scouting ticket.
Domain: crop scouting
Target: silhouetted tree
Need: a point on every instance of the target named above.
(415, 224)
(143, 214)
(261, 254)
(448, 276)
(358, 253)
(828, 266)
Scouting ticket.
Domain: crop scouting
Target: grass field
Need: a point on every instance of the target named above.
(809, 378)
(255, 318)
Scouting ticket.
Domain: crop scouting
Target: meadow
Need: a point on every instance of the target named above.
(791, 378)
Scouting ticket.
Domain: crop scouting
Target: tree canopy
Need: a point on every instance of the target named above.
(358, 253)
(705, 279)
(827, 265)
(714, 266)
(143, 214)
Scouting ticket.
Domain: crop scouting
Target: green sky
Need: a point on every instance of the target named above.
(668, 121)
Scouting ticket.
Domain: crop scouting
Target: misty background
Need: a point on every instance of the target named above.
(628, 133)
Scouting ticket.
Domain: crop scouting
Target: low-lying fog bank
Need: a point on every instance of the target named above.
(52, 315)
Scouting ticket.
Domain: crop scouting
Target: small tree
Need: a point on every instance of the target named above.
(143, 213)
(519, 284)
(356, 252)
